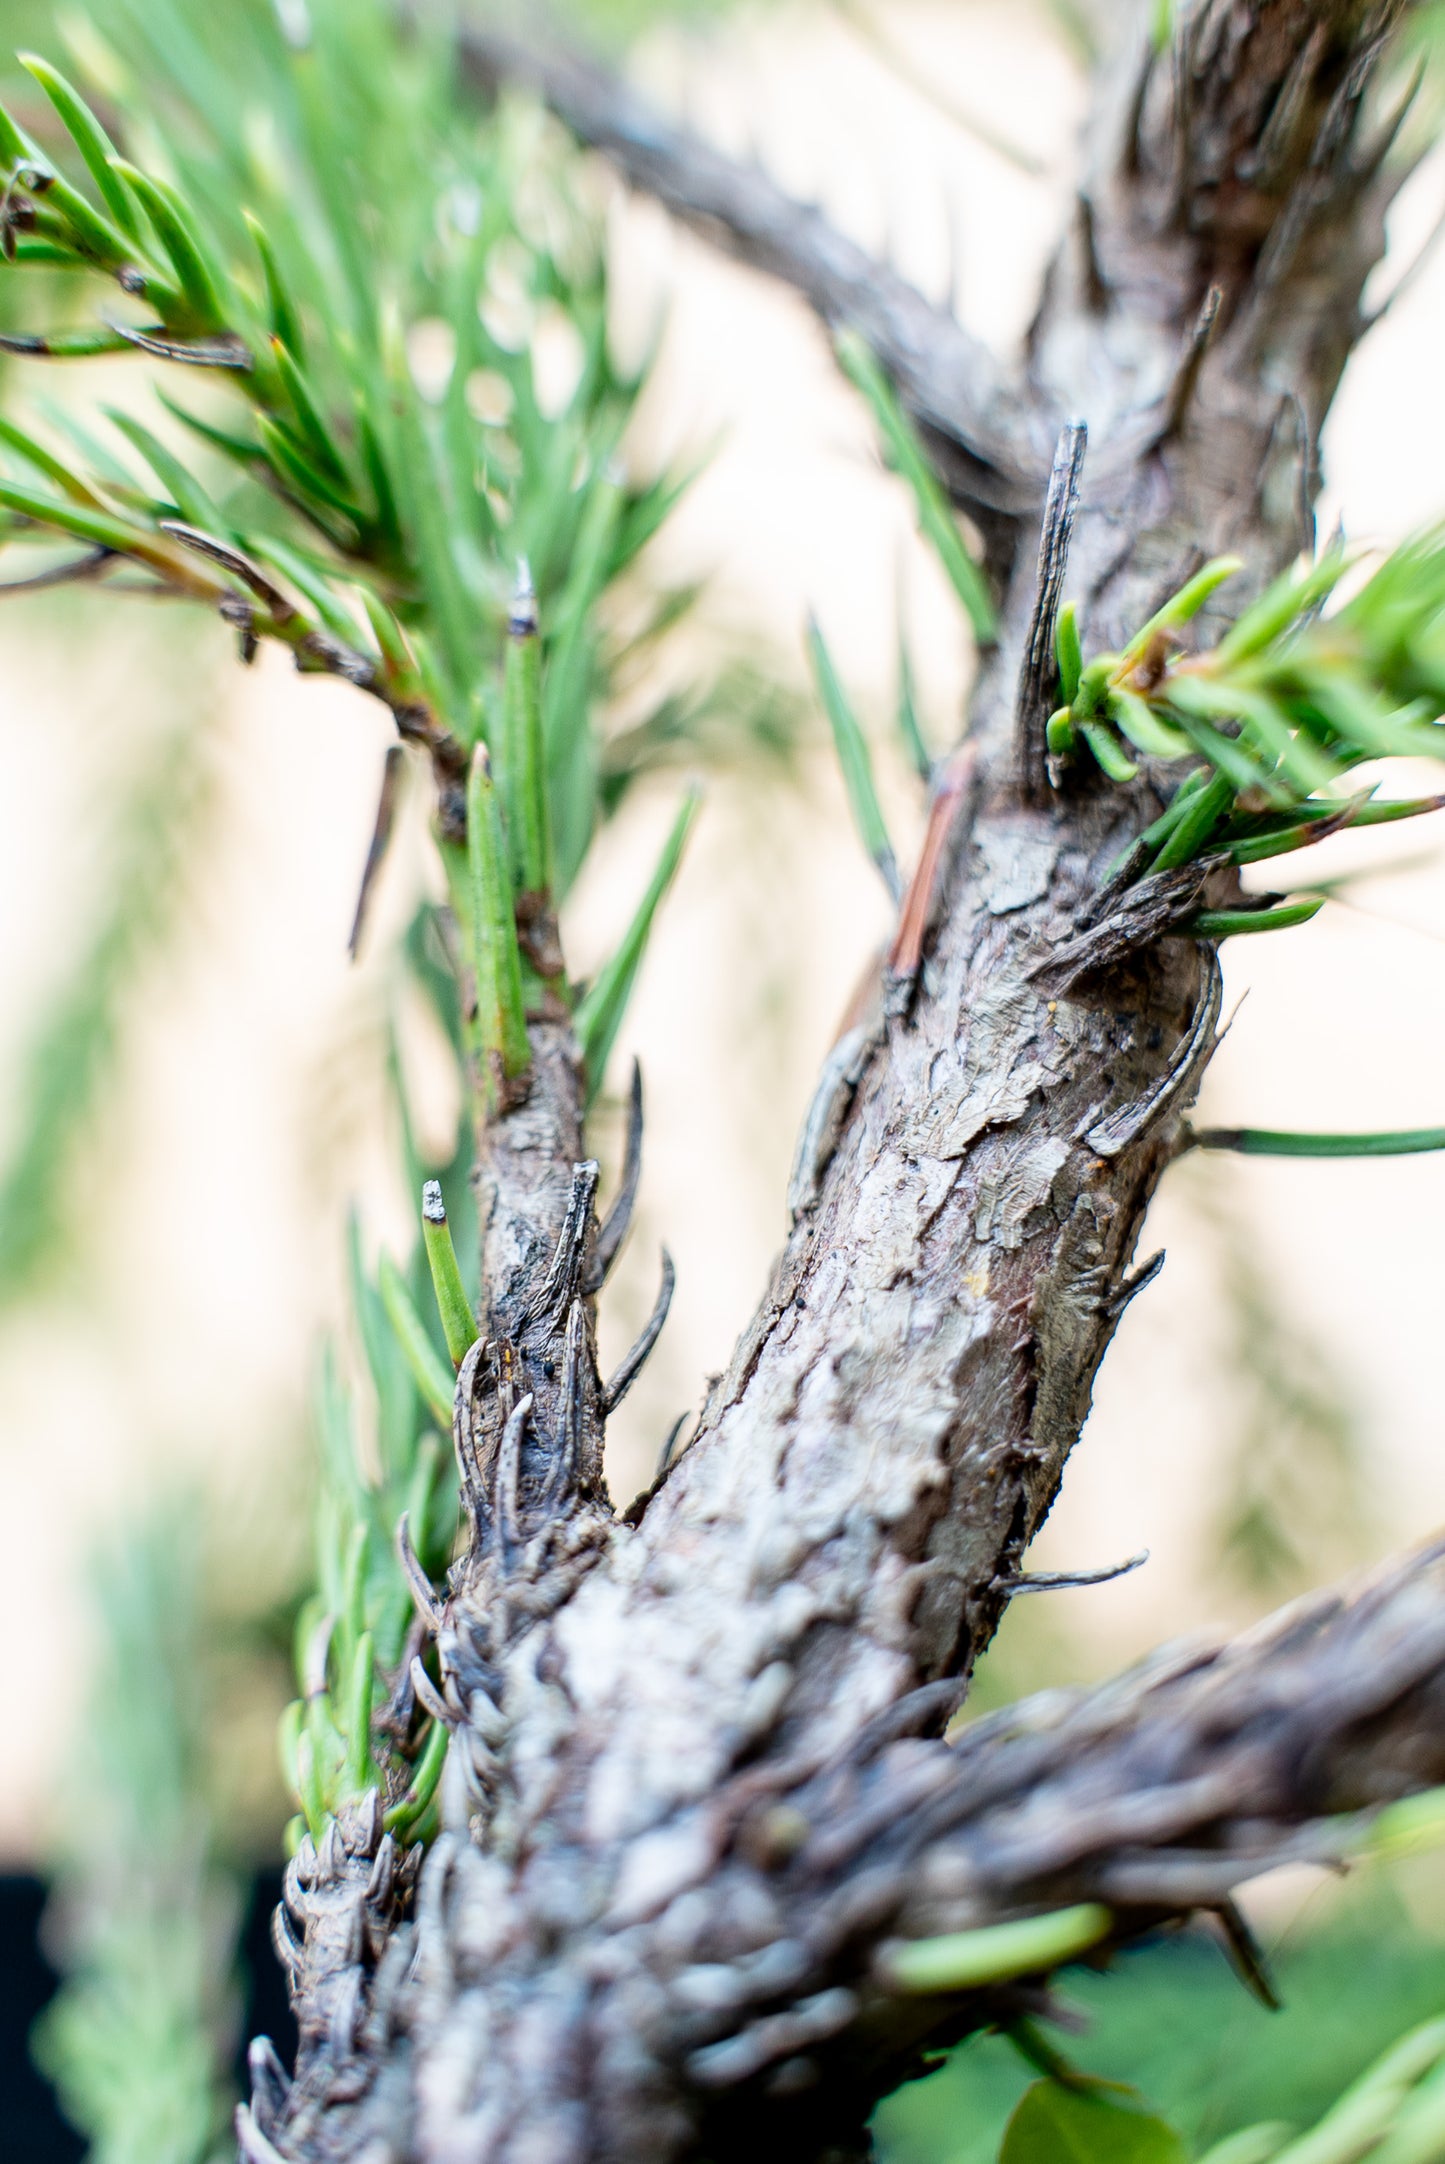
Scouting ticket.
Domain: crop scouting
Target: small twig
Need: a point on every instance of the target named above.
(270, 2084)
(254, 2146)
(562, 1474)
(1264, 166)
(1130, 1287)
(314, 648)
(665, 1455)
(467, 1438)
(1148, 911)
(423, 1592)
(1109, 1136)
(1247, 1955)
(1038, 671)
(1096, 285)
(429, 1697)
(507, 1504)
(559, 1287)
(1181, 390)
(667, 1458)
(385, 821)
(55, 345)
(68, 574)
(236, 562)
(828, 1109)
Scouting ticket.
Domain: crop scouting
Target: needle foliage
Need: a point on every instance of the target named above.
(139, 2040)
(1274, 718)
(383, 382)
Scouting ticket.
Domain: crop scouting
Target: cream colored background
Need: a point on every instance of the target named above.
(245, 1111)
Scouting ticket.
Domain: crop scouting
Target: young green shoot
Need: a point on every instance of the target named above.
(1369, 2108)
(359, 1771)
(1226, 923)
(1412, 1827)
(503, 1049)
(1068, 652)
(910, 730)
(459, 1325)
(90, 139)
(408, 1811)
(1279, 711)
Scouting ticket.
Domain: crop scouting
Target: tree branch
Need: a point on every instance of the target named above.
(1161, 1793)
(783, 1992)
(682, 1809)
(950, 383)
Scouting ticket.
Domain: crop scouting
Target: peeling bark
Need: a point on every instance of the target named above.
(695, 1784)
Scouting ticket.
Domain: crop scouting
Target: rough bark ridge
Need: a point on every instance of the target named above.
(695, 1784)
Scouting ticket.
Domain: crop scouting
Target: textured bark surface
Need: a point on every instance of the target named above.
(694, 1786)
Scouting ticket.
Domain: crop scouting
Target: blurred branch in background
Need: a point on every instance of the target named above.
(145, 1912)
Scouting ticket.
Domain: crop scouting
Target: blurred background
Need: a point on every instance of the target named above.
(194, 1088)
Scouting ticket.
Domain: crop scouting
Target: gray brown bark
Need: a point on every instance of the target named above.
(695, 1785)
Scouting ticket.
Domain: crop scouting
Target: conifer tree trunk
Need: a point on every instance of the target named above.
(697, 1801)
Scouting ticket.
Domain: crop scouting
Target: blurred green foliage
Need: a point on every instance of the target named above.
(355, 1725)
(1172, 2020)
(139, 2040)
(400, 381)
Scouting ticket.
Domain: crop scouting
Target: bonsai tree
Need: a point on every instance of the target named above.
(638, 1833)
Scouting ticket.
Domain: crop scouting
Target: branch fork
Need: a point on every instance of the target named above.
(702, 1833)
